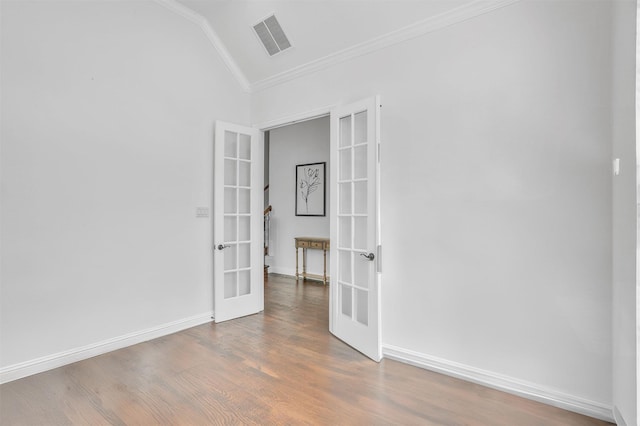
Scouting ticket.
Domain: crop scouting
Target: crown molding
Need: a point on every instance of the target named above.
(443, 20)
(213, 37)
(454, 16)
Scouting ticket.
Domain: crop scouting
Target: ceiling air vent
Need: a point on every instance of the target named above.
(271, 35)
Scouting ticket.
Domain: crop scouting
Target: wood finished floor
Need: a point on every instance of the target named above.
(278, 367)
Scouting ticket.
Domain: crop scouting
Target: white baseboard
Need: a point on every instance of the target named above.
(619, 420)
(49, 362)
(292, 272)
(282, 271)
(500, 382)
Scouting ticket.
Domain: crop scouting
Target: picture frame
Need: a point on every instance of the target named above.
(311, 191)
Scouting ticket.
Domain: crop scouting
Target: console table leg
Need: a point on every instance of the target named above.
(304, 263)
(324, 280)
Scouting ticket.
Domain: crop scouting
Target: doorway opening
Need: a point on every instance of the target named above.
(285, 148)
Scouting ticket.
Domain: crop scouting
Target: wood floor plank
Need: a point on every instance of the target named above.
(278, 367)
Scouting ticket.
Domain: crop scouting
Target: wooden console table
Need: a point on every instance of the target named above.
(311, 243)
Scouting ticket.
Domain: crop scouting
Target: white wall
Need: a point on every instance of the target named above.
(301, 143)
(496, 191)
(625, 354)
(108, 111)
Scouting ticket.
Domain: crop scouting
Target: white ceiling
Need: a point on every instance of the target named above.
(318, 29)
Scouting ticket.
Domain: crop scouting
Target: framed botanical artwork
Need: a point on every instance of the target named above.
(310, 189)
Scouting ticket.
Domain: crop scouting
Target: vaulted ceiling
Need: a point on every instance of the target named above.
(322, 32)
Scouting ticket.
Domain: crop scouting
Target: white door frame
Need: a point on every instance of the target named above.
(295, 118)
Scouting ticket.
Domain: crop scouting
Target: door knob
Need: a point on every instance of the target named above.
(223, 246)
(369, 256)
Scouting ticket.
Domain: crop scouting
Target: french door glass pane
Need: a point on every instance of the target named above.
(345, 131)
(360, 198)
(361, 269)
(230, 172)
(245, 173)
(345, 266)
(230, 284)
(345, 164)
(244, 228)
(245, 147)
(347, 300)
(360, 237)
(230, 228)
(345, 198)
(244, 283)
(244, 255)
(230, 144)
(360, 162)
(360, 128)
(362, 306)
(230, 200)
(344, 224)
(244, 202)
(230, 258)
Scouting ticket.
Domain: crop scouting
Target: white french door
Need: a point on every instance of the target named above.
(237, 221)
(355, 278)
